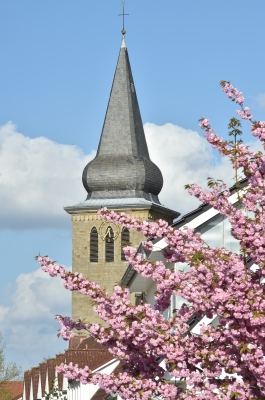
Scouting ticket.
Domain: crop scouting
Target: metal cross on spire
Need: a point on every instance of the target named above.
(123, 15)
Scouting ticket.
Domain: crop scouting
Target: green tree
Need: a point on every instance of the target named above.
(9, 371)
(55, 392)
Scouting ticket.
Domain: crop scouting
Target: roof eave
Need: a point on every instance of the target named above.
(152, 206)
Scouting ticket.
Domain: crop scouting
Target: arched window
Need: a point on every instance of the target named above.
(109, 247)
(94, 245)
(125, 240)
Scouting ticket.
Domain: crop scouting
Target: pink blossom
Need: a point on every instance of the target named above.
(227, 359)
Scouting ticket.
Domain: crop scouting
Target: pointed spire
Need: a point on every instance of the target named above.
(123, 131)
(122, 167)
(123, 44)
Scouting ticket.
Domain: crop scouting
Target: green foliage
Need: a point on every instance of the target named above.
(5, 393)
(55, 392)
(8, 371)
(211, 182)
(234, 126)
(223, 83)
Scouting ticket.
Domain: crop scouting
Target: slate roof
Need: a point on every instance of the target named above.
(204, 207)
(123, 203)
(122, 167)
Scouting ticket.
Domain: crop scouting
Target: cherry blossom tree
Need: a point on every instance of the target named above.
(222, 362)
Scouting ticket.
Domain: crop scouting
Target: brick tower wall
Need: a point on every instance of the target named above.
(107, 274)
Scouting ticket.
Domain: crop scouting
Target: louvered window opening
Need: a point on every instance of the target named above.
(125, 240)
(140, 298)
(94, 245)
(109, 245)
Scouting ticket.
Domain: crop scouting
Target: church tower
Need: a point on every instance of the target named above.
(121, 177)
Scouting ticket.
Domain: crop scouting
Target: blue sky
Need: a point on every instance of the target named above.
(57, 66)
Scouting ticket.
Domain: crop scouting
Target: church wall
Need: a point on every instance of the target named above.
(107, 274)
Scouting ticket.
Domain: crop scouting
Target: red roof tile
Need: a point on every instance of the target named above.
(90, 343)
(51, 363)
(11, 390)
(43, 369)
(35, 373)
(60, 358)
(75, 341)
(99, 395)
(92, 358)
(27, 383)
(88, 352)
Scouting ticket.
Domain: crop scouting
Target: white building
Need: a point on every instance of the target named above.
(215, 230)
(44, 380)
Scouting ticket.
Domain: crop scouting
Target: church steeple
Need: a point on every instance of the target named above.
(122, 167)
(122, 178)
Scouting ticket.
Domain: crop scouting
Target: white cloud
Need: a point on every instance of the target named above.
(261, 99)
(37, 178)
(183, 157)
(28, 322)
